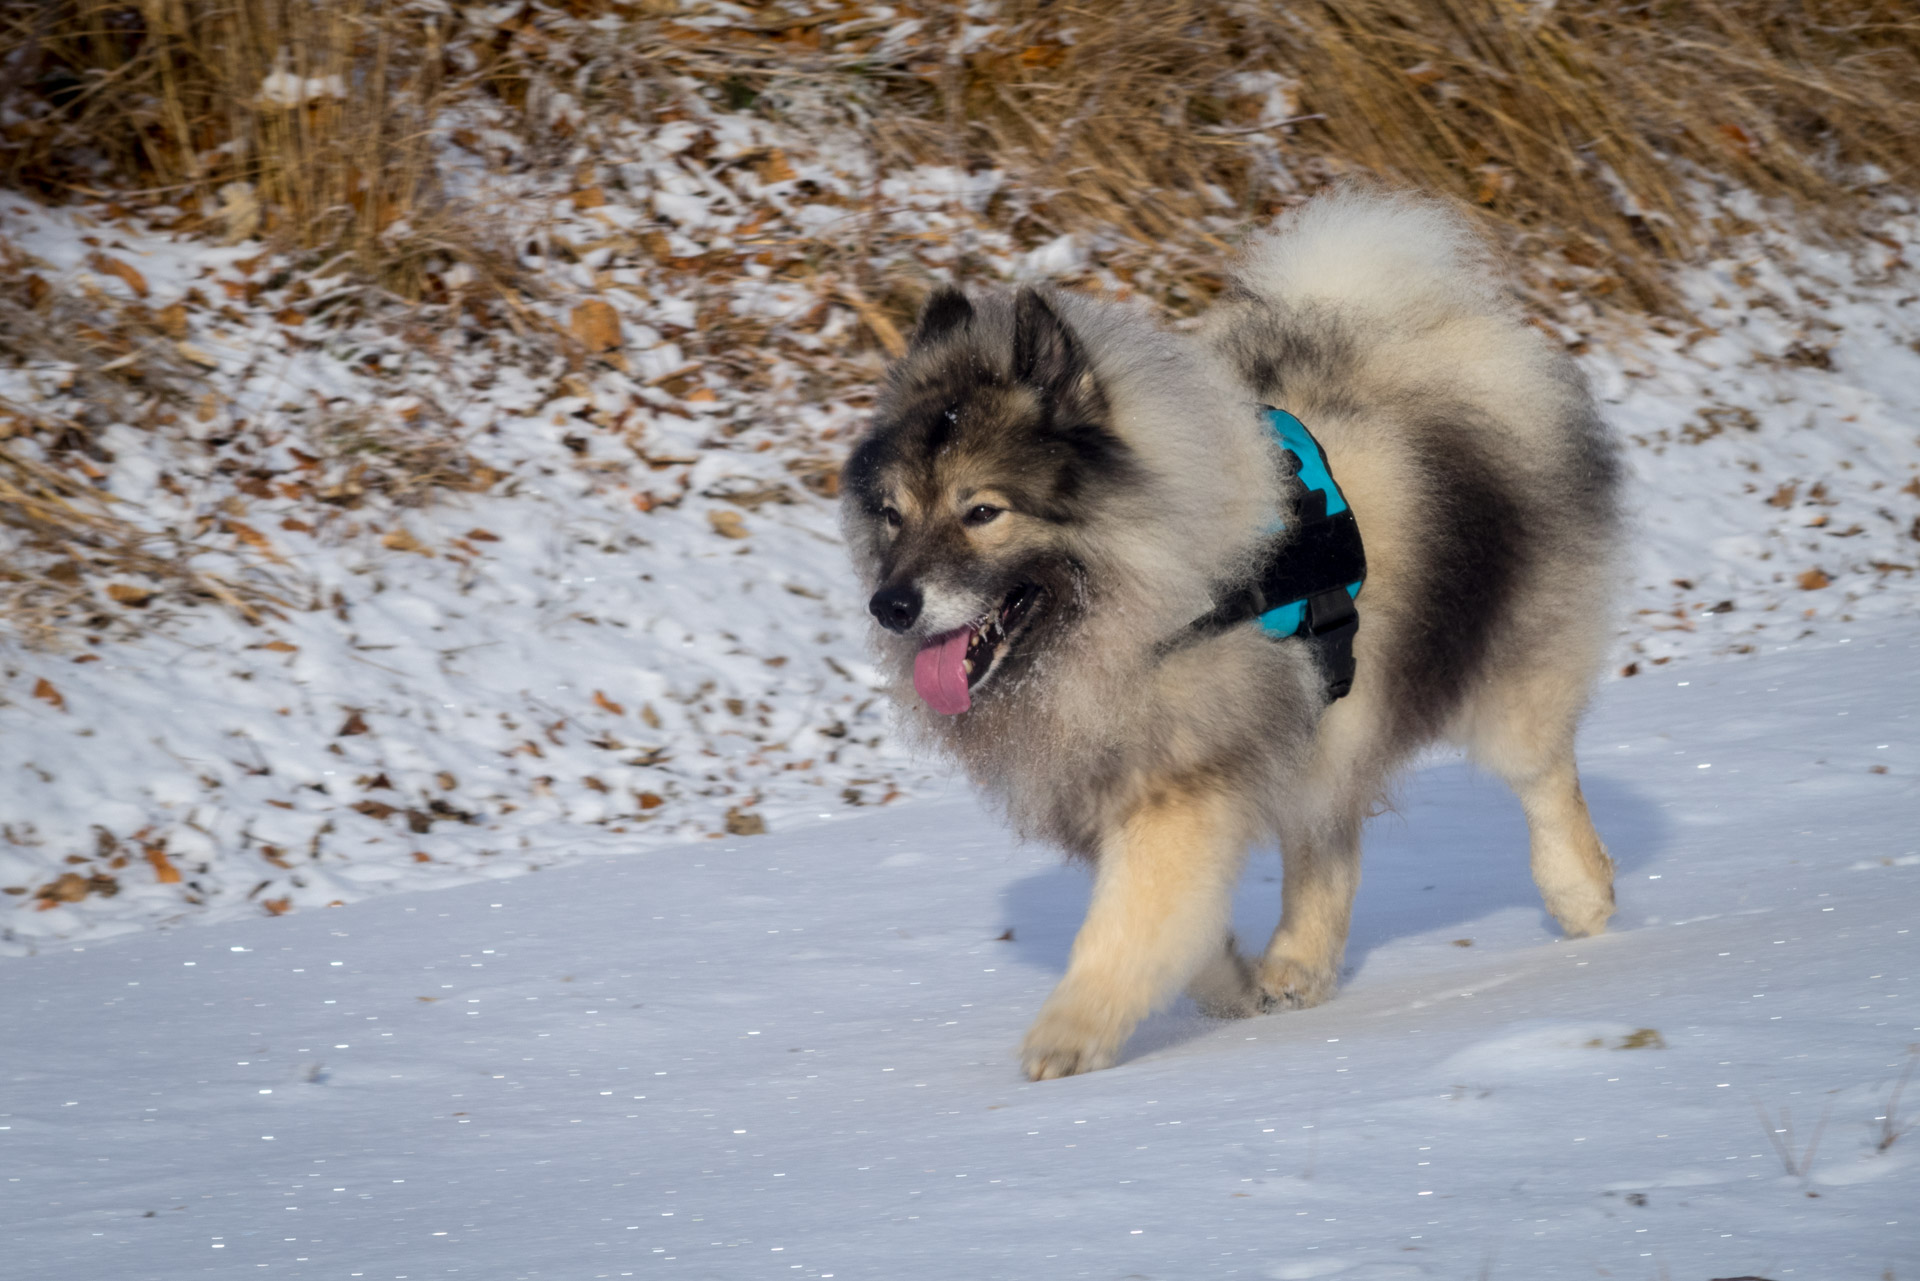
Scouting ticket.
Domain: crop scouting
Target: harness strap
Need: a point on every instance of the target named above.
(1312, 571)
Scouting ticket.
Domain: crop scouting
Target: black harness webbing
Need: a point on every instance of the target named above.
(1312, 571)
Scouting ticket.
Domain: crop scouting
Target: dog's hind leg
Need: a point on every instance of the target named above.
(1228, 985)
(1161, 896)
(1526, 743)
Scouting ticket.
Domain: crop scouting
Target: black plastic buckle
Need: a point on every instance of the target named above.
(1330, 623)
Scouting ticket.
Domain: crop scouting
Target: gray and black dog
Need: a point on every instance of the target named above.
(1054, 489)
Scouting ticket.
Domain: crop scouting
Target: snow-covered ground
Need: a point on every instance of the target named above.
(792, 1055)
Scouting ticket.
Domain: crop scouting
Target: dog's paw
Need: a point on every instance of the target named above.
(1583, 913)
(1289, 985)
(1065, 1041)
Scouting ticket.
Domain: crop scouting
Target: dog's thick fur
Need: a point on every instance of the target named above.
(1070, 464)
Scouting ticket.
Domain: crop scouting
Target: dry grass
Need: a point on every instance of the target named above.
(1575, 126)
(308, 123)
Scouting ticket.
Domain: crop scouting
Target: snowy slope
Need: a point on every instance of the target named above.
(793, 1055)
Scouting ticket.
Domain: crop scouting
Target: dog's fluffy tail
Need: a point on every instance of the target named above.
(1388, 258)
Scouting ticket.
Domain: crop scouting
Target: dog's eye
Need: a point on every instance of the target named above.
(891, 515)
(981, 514)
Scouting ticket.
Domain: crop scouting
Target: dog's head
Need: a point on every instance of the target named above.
(966, 502)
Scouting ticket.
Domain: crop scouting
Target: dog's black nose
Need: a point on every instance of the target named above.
(896, 607)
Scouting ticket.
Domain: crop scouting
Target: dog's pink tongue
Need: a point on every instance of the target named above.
(940, 672)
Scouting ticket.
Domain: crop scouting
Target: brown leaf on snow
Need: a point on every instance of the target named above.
(277, 906)
(280, 647)
(114, 267)
(742, 823)
(606, 704)
(70, 887)
(589, 198)
(129, 595)
(727, 524)
(773, 167)
(1813, 580)
(595, 325)
(44, 691)
(376, 809)
(163, 869)
(649, 800)
(355, 724)
(248, 535)
(1784, 496)
(483, 536)
(402, 540)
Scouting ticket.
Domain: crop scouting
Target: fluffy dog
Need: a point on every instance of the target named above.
(1053, 489)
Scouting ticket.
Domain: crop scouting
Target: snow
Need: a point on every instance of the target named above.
(793, 1055)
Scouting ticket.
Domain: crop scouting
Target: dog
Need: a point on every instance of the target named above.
(1055, 493)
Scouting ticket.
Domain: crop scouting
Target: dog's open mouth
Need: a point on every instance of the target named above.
(950, 665)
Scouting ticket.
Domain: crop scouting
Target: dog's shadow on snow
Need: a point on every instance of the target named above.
(1452, 851)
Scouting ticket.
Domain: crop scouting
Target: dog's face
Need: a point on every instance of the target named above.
(989, 452)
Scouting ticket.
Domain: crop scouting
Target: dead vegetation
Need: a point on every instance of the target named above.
(1580, 128)
(1594, 136)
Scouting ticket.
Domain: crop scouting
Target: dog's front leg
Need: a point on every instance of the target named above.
(1161, 895)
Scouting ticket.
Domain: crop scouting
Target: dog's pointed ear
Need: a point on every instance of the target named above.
(947, 310)
(1044, 352)
(1047, 357)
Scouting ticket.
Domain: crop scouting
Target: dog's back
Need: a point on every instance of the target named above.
(1482, 478)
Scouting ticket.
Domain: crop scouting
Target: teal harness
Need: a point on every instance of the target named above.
(1312, 571)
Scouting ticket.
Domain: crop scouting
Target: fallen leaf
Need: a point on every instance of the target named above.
(280, 646)
(595, 325)
(402, 540)
(277, 906)
(172, 319)
(70, 887)
(198, 355)
(589, 198)
(248, 535)
(163, 869)
(1784, 496)
(421, 856)
(127, 594)
(114, 267)
(44, 691)
(1645, 1038)
(376, 809)
(742, 823)
(1813, 580)
(773, 167)
(355, 724)
(651, 717)
(1631, 669)
(649, 801)
(607, 704)
(727, 524)
(482, 536)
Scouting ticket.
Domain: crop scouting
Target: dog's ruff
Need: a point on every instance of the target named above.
(1054, 486)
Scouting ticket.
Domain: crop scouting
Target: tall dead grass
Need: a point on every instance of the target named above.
(309, 122)
(1577, 126)
(1581, 126)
